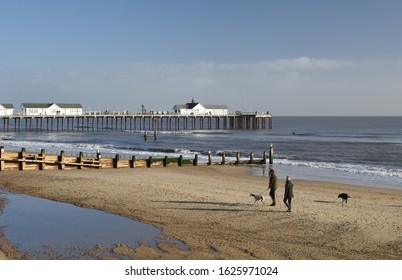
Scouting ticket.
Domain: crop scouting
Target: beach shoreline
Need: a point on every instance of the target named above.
(209, 209)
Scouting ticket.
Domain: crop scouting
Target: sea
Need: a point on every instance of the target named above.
(356, 150)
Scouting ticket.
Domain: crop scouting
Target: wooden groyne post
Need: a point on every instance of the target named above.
(42, 158)
(61, 160)
(2, 162)
(271, 154)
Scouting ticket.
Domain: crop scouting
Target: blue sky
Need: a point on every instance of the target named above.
(289, 57)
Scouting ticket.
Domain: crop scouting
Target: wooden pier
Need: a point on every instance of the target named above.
(137, 122)
(23, 160)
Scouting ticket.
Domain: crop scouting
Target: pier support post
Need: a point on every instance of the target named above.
(209, 158)
(264, 157)
(223, 158)
(251, 157)
(165, 161)
(2, 162)
(237, 158)
(271, 154)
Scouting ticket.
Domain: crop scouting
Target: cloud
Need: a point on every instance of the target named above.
(301, 64)
(299, 86)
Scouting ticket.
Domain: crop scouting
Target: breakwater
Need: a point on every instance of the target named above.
(23, 160)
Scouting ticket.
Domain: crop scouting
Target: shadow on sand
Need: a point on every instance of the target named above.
(231, 207)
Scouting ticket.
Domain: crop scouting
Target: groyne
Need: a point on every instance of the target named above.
(24, 160)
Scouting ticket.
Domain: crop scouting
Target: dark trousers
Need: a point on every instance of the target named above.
(272, 193)
(288, 202)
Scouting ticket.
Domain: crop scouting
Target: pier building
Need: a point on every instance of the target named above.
(196, 108)
(51, 109)
(6, 109)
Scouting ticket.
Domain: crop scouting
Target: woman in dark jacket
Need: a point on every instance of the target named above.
(287, 198)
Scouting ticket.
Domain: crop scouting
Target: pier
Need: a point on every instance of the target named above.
(136, 122)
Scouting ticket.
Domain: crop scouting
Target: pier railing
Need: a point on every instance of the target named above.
(23, 160)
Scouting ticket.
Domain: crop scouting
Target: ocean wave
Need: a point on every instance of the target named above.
(358, 169)
(105, 149)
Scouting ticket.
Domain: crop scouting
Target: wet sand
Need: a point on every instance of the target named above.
(209, 208)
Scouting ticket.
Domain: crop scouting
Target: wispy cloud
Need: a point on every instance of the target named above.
(301, 64)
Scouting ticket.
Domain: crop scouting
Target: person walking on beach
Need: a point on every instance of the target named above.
(272, 186)
(287, 198)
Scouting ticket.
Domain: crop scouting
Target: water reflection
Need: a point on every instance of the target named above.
(48, 229)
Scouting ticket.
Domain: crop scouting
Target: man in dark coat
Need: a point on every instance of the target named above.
(287, 198)
(272, 186)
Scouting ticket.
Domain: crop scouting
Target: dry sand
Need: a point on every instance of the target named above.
(209, 208)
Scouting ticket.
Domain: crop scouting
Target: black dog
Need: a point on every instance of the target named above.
(344, 197)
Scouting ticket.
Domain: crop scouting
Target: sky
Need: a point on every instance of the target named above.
(289, 57)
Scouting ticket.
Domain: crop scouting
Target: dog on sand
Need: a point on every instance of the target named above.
(258, 197)
(344, 197)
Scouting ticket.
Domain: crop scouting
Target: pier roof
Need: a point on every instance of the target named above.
(7, 105)
(193, 105)
(47, 105)
(216, 106)
(69, 105)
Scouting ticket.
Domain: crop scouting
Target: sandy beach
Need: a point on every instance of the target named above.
(210, 210)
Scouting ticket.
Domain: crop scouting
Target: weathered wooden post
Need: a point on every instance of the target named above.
(209, 158)
(21, 159)
(264, 157)
(271, 154)
(195, 162)
(251, 157)
(132, 162)
(223, 158)
(2, 162)
(149, 162)
(80, 160)
(61, 160)
(98, 155)
(42, 159)
(98, 158)
(116, 161)
(238, 158)
(180, 162)
(165, 160)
